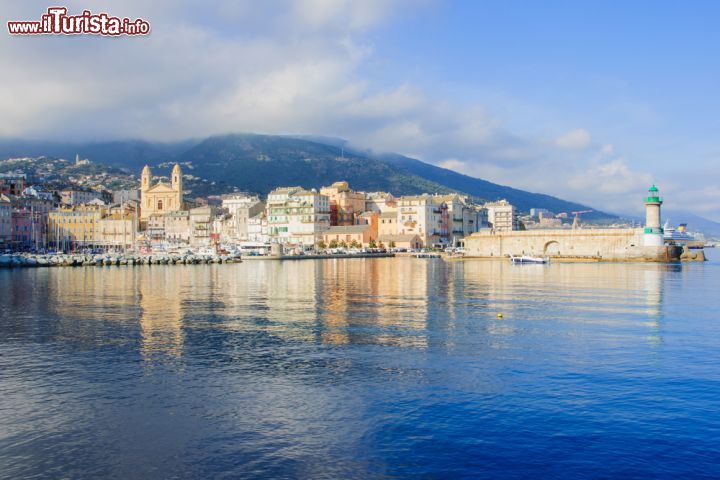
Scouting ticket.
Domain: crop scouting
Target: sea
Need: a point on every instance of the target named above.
(361, 368)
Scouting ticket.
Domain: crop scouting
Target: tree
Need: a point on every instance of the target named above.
(354, 244)
(321, 245)
(392, 244)
(333, 244)
(381, 245)
(343, 244)
(372, 243)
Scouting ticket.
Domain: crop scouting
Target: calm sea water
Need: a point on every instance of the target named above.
(361, 369)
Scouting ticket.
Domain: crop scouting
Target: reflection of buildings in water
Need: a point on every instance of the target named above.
(90, 301)
(596, 292)
(290, 301)
(161, 316)
(360, 296)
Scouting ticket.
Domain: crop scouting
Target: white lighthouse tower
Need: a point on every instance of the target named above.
(653, 229)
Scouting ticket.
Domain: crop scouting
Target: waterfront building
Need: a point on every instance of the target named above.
(388, 223)
(370, 218)
(422, 215)
(345, 204)
(297, 216)
(76, 226)
(117, 230)
(29, 221)
(258, 228)
(201, 226)
(160, 198)
(241, 208)
(407, 241)
(380, 202)
(155, 228)
(176, 227)
(502, 216)
(358, 234)
(5, 221)
(464, 218)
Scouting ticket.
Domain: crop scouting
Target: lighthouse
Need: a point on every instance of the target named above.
(653, 229)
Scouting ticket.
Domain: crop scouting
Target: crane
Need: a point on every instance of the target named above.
(577, 216)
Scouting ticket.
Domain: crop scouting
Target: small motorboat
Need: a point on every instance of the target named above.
(528, 259)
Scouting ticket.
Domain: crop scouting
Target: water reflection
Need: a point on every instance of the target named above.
(394, 302)
(356, 368)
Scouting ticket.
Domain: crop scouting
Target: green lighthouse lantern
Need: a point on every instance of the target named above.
(653, 195)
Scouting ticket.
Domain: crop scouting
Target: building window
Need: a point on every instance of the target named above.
(160, 205)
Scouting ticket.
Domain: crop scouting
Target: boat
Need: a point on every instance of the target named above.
(529, 259)
(679, 234)
(427, 255)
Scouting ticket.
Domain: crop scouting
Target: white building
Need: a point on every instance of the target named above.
(502, 216)
(380, 202)
(78, 197)
(464, 218)
(258, 228)
(424, 216)
(241, 209)
(297, 216)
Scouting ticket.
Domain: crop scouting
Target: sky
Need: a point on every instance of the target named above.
(590, 101)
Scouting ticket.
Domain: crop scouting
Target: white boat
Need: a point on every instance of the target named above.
(529, 259)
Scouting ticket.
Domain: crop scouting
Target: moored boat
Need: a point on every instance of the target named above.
(528, 259)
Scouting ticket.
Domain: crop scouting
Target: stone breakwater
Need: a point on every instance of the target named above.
(24, 260)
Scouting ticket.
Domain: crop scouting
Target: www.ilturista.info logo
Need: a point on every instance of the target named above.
(57, 22)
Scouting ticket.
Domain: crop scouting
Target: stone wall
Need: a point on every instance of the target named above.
(590, 244)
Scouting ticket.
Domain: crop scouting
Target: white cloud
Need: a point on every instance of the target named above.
(574, 139)
(278, 67)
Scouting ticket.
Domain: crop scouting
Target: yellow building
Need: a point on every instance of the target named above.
(160, 198)
(75, 226)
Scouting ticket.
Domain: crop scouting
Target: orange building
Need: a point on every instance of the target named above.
(360, 234)
(345, 204)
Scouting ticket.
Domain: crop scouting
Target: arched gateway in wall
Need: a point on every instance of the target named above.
(551, 248)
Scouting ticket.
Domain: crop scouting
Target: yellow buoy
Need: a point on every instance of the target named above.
(499, 315)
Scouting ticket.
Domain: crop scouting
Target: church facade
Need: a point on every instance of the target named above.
(160, 198)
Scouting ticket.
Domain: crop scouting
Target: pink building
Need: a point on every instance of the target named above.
(29, 222)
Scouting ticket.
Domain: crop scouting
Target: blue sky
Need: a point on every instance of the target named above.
(589, 101)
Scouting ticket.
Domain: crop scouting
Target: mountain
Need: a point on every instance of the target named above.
(485, 190)
(259, 163)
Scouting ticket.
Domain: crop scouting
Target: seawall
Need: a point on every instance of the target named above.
(612, 245)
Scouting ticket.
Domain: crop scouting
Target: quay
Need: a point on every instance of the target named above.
(320, 256)
(70, 260)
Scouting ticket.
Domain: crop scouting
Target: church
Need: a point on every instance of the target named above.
(160, 198)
